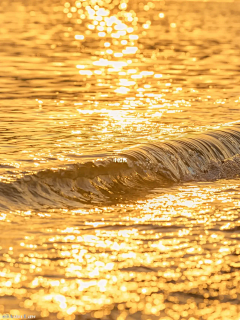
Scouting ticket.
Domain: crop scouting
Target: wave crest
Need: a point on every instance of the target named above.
(205, 157)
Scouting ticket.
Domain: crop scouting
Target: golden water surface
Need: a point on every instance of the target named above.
(79, 80)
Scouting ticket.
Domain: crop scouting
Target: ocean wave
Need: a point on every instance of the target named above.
(204, 157)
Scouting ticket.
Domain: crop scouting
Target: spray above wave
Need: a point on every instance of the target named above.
(205, 157)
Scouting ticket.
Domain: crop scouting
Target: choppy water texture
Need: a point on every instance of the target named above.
(119, 165)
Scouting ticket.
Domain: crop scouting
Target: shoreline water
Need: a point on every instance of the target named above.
(84, 84)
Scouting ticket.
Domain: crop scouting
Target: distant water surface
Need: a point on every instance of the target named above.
(85, 80)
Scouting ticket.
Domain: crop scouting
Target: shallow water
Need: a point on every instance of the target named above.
(79, 85)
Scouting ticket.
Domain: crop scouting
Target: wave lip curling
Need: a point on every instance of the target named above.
(205, 157)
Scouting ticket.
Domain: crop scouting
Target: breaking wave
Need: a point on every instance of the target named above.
(205, 157)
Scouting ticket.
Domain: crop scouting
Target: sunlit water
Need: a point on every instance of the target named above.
(81, 81)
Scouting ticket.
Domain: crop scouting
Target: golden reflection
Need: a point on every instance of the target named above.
(174, 255)
(149, 257)
(121, 31)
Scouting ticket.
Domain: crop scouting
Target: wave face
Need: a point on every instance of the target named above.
(205, 157)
